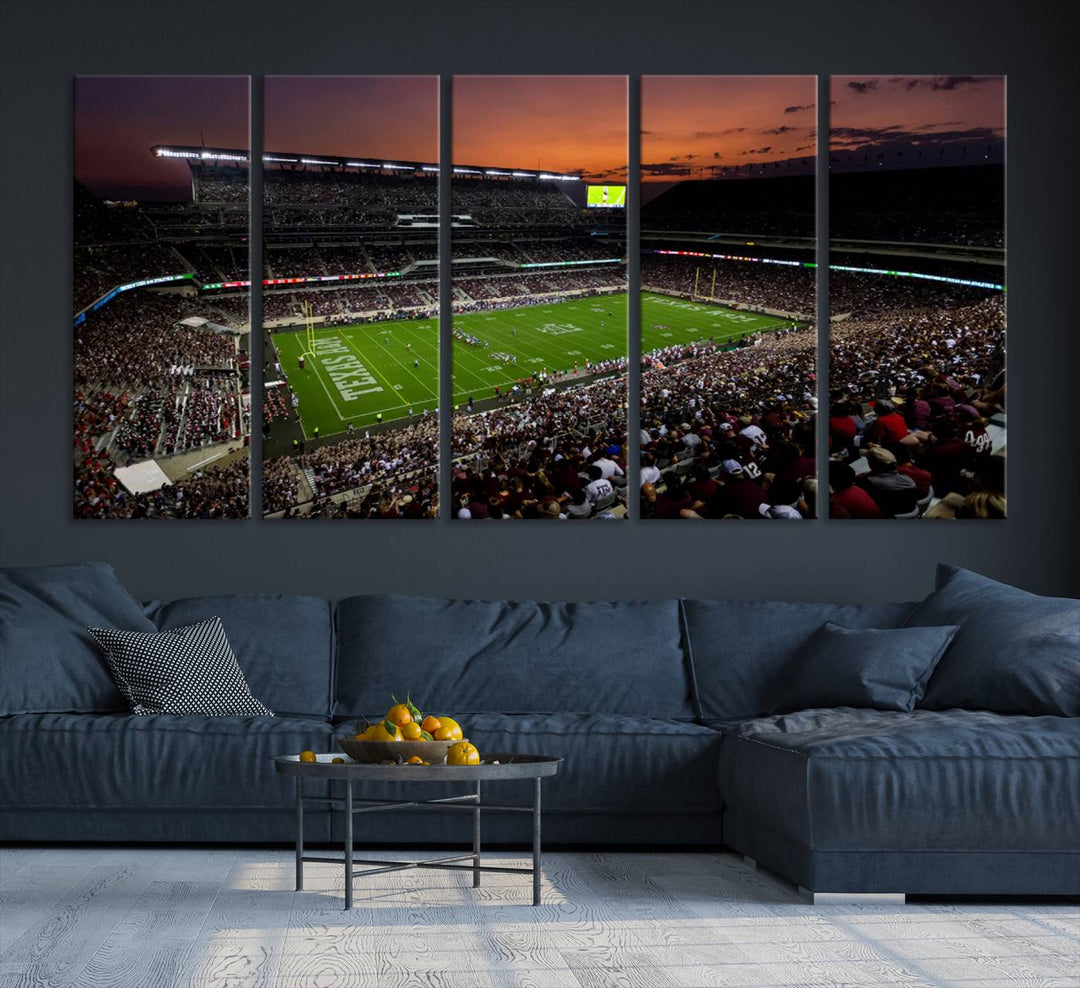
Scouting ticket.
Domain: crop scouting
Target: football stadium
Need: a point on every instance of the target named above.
(729, 389)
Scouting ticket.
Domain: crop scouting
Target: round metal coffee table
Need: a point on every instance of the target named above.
(535, 767)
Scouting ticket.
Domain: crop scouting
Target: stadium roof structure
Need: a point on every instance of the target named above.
(216, 155)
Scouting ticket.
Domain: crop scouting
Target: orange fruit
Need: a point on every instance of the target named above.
(449, 730)
(337, 761)
(308, 756)
(431, 724)
(415, 760)
(411, 731)
(385, 731)
(399, 714)
(462, 753)
(449, 721)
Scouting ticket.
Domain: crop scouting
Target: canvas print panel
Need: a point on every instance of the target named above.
(917, 423)
(539, 323)
(161, 364)
(350, 297)
(728, 334)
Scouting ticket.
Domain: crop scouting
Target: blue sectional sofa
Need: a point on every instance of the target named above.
(663, 710)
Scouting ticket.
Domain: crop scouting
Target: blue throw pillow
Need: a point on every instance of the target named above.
(884, 669)
(48, 662)
(1015, 652)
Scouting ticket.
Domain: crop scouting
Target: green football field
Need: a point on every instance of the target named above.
(388, 367)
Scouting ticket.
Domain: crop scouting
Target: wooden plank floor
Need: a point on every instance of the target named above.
(197, 918)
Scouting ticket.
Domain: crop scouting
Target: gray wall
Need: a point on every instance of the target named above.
(45, 42)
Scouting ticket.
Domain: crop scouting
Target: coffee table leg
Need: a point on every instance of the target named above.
(348, 844)
(536, 841)
(299, 833)
(476, 840)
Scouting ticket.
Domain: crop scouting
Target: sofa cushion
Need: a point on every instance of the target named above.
(1015, 652)
(48, 661)
(882, 669)
(865, 780)
(614, 763)
(160, 761)
(743, 652)
(284, 644)
(474, 656)
(189, 670)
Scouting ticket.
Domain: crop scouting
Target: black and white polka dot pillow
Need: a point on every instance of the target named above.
(190, 670)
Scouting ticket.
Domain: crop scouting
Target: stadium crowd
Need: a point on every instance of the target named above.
(560, 454)
(913, 395)
(395, 475)
(147, 385)
(728, 432)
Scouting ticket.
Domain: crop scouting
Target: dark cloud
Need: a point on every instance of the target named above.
(782, 129)
(764, 150)
(946, 83)
(870, 137)
(662, 169)
(717, 154)
(702, 135)
(798, 108)
(862, 87)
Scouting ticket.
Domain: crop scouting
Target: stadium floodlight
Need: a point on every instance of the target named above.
(460, 170)
(362, 164)
(524, 174)
(222, 156)
(387, 164)
(288, 161)
(429, 168)
(317, 161)
(169, 153)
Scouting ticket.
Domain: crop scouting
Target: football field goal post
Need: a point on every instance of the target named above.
(309, 330)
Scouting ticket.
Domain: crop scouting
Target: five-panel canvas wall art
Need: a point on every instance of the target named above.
(732, 398)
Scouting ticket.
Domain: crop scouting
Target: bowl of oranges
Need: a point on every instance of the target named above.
(407, 736)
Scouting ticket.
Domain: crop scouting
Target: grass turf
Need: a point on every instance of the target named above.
(368, 368)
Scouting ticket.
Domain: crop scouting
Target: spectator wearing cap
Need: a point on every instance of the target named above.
(847, 499)
(894, 493)
(783, 512)
(738, 495)
(754, 433)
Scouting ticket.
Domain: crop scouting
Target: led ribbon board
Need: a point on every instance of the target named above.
(969, 282)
